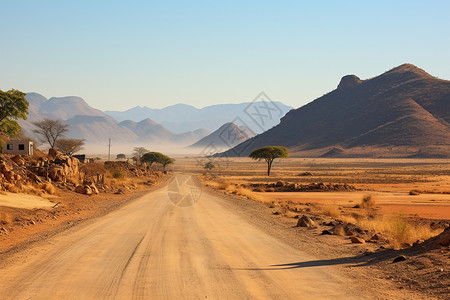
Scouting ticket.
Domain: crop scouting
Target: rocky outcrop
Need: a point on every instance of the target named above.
(349, 81)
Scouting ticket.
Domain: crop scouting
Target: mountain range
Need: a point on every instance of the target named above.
(404, 112)
(96, 127)
(182, 117)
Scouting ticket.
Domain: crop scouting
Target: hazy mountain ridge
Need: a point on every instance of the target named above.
(96, 127)
(402, 112)
(225, 137)
(181, 117)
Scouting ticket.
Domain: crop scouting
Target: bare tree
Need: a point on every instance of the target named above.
(50, 130)
(139, 151)
(69, 146)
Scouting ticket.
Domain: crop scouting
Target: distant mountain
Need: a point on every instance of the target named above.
(404, 112)
(227, 136)
(181, 117)
(97, 130)
(150, 131)
(60, 108)
(96, 127)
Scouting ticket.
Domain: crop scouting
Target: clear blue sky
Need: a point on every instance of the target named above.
(157, 53)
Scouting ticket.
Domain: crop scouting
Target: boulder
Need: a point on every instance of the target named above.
(53, 154)
(306, 221)
(399, 258)
(357, 240)
(339, 229)
(18, 160)
(444, 238)
(83, 189)
(280, 183)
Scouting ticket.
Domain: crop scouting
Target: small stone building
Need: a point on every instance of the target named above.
(18, 147)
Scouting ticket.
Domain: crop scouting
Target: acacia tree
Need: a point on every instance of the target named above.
(121, 156)
(156, 157)
(50, 130)
(13, 106)
(165, 160)
(150, 158)
(69, 146)
(269, 153)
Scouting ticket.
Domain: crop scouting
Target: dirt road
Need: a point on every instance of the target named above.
(153, 249)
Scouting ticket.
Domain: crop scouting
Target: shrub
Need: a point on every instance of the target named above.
(367, 202)
(117, 173)
(49, 188)
(331, 211)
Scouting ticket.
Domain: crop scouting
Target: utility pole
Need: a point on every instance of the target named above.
(109, 149)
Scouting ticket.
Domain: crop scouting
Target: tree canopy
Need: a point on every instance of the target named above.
(157, 157)
(138, 152)
(13, 106)
(50, 130)
(69, 146)
(121, 156)
(269, 154)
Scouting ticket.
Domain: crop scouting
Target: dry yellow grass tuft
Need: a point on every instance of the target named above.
(397, 229)
(366, 202)
(331, 211)
(32, 189)
(49, 188)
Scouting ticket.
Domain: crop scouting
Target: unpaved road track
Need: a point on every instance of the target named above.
(153, 249)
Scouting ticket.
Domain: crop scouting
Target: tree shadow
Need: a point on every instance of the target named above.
(353, 261)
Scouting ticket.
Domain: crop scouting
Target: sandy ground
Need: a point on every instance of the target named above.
(431, 206)
(153, 249)
(388, 180)
(24, 201)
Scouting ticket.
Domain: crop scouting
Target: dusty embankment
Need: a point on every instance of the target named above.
(44, 194)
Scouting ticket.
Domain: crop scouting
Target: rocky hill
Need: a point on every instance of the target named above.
(227, 136)
(96, 127)
(404, 112)
(179, 118)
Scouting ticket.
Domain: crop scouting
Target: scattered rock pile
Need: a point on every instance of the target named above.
(130, 169)
(56, 167)
(281, 186)
(13, 174)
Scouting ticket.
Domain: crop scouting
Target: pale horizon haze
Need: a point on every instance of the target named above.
(117, 55)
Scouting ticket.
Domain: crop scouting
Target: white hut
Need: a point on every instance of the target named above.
(18, 147)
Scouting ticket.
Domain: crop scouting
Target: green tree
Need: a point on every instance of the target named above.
(269, 153)
(165, 160)
(121, 156)
(13, 106)
(150, 158)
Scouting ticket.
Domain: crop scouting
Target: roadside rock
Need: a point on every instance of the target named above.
(357, 240)
(399, 258)
(83, 189)
(338, 230)
(444, 238)
(53, 154)
(18, 160)
(306, 221)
